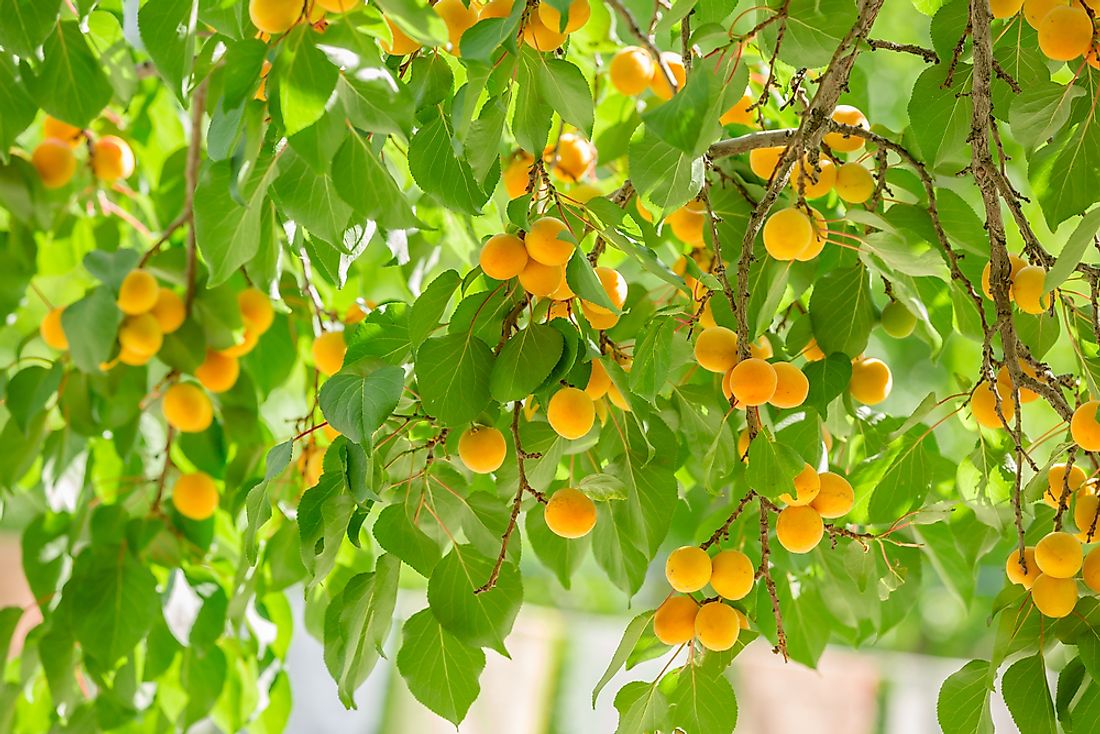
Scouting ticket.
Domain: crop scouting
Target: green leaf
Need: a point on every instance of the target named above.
(631, 635)
(396, 533)
(653, 358)
(1056, 169)
(323, 515)
(813, 31)
(26, 24)
(168, 33)
(908, 479)
(1074, 249)
(940, 117)
(689, 121)
(375, 101)
(642, 707)
(311, 200)
(963, 704)
(561, 555)
(357, 406)
(303, 80)
(9, 617)
(841, 311)
(441, 671)
(703, 701)
(452, 375)
(429, 306)
(1025, 691)
(563, 84)
(582, 279)
(772, 466)
(363, 181)
(663, 174)
(16, 107)
(29, 390)
(1039, 332)
(70, 83)
(1040, 111)
(828, 379)
(90, 325)
(479, 619)
(525, 362)
(439, 171)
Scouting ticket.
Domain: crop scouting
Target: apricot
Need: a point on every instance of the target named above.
(659, 84)
(1058, 555)
(642, 211)
(570, 513)
(632, 70)
(141, 334)
(807, 485)
(983, 406)
(687, 225)
(482, 449)
(1016, 574)
(1057, 482)
(584, 192)
(813, 182)
(787, 233)
(1090, 570)
(218, 373)
(539, 37)
(55, 163)
(791, 386)
(274, 16)
(739, 113)
(1084, 428)
(674, 620)
(717, 626)
(576, 17)
(328, 352)
(517, 175)
(458, 18)
(614, 285)
(549, 241)
(60, 130)
(854, 183)
(169, 310)
(338, 6)
(1029, 290)
(572, 157)
(503, 256)
(1085, 512)
(247, 343)
(688, 569)
(401, 45)
(194, 495)
(256, 309)
(752, 381)
(818, 239)
(764, 161)
(812, 352)
(716, 349)
(842, 142)
(799, 529)
(1036, 10)
(1065, 33)
(311, 463)
(1017, 264)
(835, 498)
(51, 332)
(598, 381)
(112, 159)
(1054, 597)
(558, 310)
(897, 320)
(187, 408)
(1004, 382)
(871, 381)
(496, 9)
(616, 397)
(1004, 8)
(563, 292)
(571, 413)
(541, 280)
(732, 574)
(743, 442)
(138, 293)
(761, 348)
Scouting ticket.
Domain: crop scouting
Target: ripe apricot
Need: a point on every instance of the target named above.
(549, 241)
(812, 352)
(743, 442)
(194, 495)
(1016, 574)
(763, 161)
(732, 574)
(752, 381)
(1029, 290)
(1090, 570)
(791, 386)
(717, 626)
(897, 320)
(482, 449)
(218, 373)
(1085, 514)
(1084, 428)
(563, 292)
(496, 9)
(338, 6)
(247, 343)
(328, 352)
(598, 381)
(577, 16)
(584, 192)
(716, 349)
(687, 225)
(541, 280)
(60, 130)
(51, 332)
(141, 334)
(570, 513)
(761, 348)
(739, 113)
(813, 181)
(632, 70)
(503, 256)
(688, 569)
(787, 233)
(54, 161)
(112, 159)
(835, 498)
(1036, 10)
(187, 408)
(1054, 597)
(138, 293)
(983, 406)
(674, 620)
(659, 84)
(807, 485)
(1004, 8)
(1004, 382)
(311, 464)
(854, 183)
(820, 235)
(616, 397)
(256, 309)
(458, 18)
(401, 45)
(274, 16)
(1017, 264)
(169, 310)
(1058, 555)
(799, 529)
(570, 413)
(842, 142)
(614, 285)
(539, 37)
(572, 157)
(517, 174)
(1057, 480)
(1065, 33)
(871, 381)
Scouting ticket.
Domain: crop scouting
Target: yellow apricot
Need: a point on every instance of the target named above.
(598, 381)
(842, 142)
(799, 529)
(631, 70)
(112, 159)
(732, 574)
(743, 443)
(812, 352)
(835, 497)
(1058, 555)
(247, 343)
(897, 320)
(807, 485)
(256, 309)
(496, 9)
(688, 569)
(570, 513)
(194, 495)
(1057, 480)
(458, 18)
(1065, 33)
(541, 280)
(218, 373)
(764, 161)
(558, 310)
(599, 317)
(503, 256)
(1085, 514)
(563, 292)
(51, 332)
(274, 16)
(577, 16)
(1029, 290)
(1054, 597)
(739, 113)
(1036, 10)
(614, 284)
(716, 349)
(983, 406)
(187, 408)
(674, 620)
(549, 241)
(571, 158)
(129, 357)
(141, 334)
(1004, 382)
(752, 381)
(54, 161)
(169, 310)
(1017, 264)
(570, 413)
(328, 352)
(1090, 570)
(791, 386)
(717, 626)
(338, 6)
(539, 37)
(854, 183)
(812, 182)
(687, 225)
(1004, 8)
(311, 463)
(517, 174)
(402, 44)
(871, 381)
(787, 233)
(63, 131)
(584, 192)
(1084, 428)
(642, 211)
(138, 293)
(659, 84)
(482, 449)
(761, 348)
(1016, 574)
(616, 397)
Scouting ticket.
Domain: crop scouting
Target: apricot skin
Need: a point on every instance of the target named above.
(1058, 555)
(846, 115)
(854, 183)
(752, 381)
(1065, 33)
(482, 449)
(984, 407)
(871, 381)
(218, 373)
(716, 349)
(1057, 482)
(732, 575)
(807, 485)
(274, 16)
(1016, 574)
(897, 320)
(1090, 571)
(688, 569)
(791, 386)
(1084, 428)
(51, 331)
(632, 70)
(835, 498)
(141, 335)
(503, 256)
(799, 529)
(138, 293)
(717, 626)
(598, 381)
(570, 513)
(187, 408)
(169, 311)
(541, 280)
(55, 163)
(112, 159)
(571, 413)
(659, 84)
(548, 242)
(328, 352)
(1054, 597)
(195, 496)
(787, 233)
(674, 620)
(256, 310)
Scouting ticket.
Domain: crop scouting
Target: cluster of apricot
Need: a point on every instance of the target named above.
(753, 381)
(1050, 568)
(1027, 285)
(54, 159)
(570, 158)
(1065, 29)
(715, 623)
(279, 16)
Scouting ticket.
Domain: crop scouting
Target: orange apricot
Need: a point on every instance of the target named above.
(688, 569)
(1059, 555)
(732, 574)
(218, 373)
(659, 84)
(632, 70)
(328, 352)
(752, 381)
(716, 349)
(807, 485)
(799, 529)
(541, 280)
(187, 408)
(54, 161)
(195, 496)
(842, 142)
(1084, 427)
(51, 332)
(503, 256)
(791, 386)
(570, 413)
(549, 242)
(717, 626)
(835, 498)
(482, 449)
(577, 16)
(1054, 597)
(1018, 575)
(112, 159)
(570, 513)
(674, 620)
(169, 310)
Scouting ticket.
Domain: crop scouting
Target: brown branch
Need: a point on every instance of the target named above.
(763, 571)
(907, 48)
(724, 529)
(162, 480)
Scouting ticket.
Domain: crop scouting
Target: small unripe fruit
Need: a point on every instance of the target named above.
(570, 513)
(112, 159)
(983, 406)
(1016, 574)
(194, 496)
(807, 485)
(854, 183)
(503, 256)
(55, 163)
(835, 498)
(1059, 555)
(841, 142)
(1065, 33)
(799, 529)
(169, 310)
(732, 575)
(598, 381)
(791, 386)
(578, 15)
(482, 449)
(1054, 597)
(897, 320)
(256, 309)
(549, 242)
(752, 381)
(1084, 428)
(218, 373)
(138, 293)
(717, 626)
(1090, 571)
(1029, 290)
(716, 349)
(632, 70)
(541, 280)
(328, 352)
(571, 413)
(659, 84)
(1057, 481)
(763, 161)
(51, 331)
(688, 569)
(871, 381)
(401, 44)
(187, 408)
(141, 335)
(674, 621)
(787, 233)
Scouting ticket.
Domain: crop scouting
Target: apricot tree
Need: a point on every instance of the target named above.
(797, 299)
